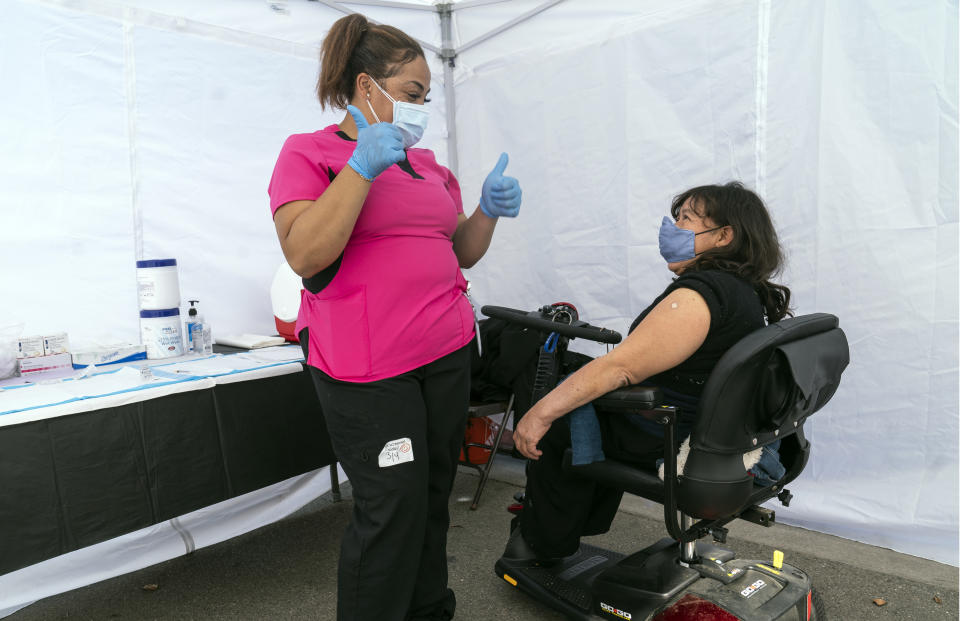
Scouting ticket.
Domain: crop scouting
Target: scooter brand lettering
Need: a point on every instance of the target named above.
(615, 611)
(753, 588)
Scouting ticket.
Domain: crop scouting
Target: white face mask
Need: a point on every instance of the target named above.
(410, 119)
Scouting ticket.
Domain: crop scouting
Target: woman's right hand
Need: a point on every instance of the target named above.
(529, 431)
(379, 146)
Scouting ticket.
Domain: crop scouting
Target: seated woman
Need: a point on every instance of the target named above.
(723, 248)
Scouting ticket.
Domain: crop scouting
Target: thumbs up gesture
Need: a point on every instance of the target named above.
(500, 195)
(379, 146)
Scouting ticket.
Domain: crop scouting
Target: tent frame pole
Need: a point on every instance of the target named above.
(448, 54)
(338, 6)
(507, 26)
(393, 4)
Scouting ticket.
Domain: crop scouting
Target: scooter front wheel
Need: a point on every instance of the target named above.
(816, 608)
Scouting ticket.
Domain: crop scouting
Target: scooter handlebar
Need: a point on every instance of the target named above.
(535, 320)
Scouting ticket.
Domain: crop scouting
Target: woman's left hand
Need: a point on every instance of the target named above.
(500, 195)
(529, 431)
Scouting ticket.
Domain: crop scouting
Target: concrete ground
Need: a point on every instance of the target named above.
(287, 570)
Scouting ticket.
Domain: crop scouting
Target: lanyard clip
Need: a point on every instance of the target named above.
(476, 322)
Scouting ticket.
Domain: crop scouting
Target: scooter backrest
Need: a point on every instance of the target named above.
(761, 390)
(767, 384)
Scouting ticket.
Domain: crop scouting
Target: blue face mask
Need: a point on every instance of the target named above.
(678, 244)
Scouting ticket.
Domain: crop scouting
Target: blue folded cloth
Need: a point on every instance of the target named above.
(585, 439)
(768, 470)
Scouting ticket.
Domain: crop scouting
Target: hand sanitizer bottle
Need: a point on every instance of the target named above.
(194, 329)
(207, 338)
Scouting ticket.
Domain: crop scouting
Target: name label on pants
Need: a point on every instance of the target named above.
(396, 452)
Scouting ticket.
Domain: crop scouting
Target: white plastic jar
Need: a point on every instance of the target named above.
(160, 332)
(158, 284)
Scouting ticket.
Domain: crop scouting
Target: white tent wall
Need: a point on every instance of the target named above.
(844, 116)
(201, 182)
(141, 134)
(65, 221)
(602, 137)
(128, 132)
(886, 262)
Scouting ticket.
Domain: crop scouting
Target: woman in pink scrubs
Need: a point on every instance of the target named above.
(377, 231)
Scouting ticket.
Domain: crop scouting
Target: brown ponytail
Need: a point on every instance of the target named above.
(354, 46)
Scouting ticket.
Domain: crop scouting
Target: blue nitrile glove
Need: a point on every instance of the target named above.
(500, 196)
(379, 146)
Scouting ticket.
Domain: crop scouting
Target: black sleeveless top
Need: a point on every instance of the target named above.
(735, 311)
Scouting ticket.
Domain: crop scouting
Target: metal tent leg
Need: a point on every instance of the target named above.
(335, 482)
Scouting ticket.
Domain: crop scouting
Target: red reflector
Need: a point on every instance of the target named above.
(809, 603)
(692, 608)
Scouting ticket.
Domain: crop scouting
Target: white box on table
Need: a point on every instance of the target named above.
(109, 355)
(40, 364)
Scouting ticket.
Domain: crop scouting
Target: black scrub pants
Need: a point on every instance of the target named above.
(393, 557)
(561, 507)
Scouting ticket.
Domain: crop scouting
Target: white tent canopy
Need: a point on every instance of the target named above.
(135, 129)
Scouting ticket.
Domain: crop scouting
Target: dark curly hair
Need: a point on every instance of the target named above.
(754, 254)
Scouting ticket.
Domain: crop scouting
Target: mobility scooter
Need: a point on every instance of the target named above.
(762, 390)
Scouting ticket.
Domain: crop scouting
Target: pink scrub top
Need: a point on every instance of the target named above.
(398, 300)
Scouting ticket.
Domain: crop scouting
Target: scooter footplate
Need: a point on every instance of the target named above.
(570, 580)
(571, 594)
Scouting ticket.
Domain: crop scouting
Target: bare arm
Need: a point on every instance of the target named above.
(313, 233)
(472, 237)
(667, 336)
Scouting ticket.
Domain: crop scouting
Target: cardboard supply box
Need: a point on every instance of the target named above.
(29, 347)
(39, 364)
(56, 344)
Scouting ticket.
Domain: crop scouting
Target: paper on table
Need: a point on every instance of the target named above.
(129, 378)
(32, 396)
(250, 341)
(125, 378)
(283, 353)
(210, 367)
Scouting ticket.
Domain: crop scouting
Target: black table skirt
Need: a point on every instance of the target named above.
(73, 481)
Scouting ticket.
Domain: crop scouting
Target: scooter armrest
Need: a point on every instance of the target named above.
(630, 399)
